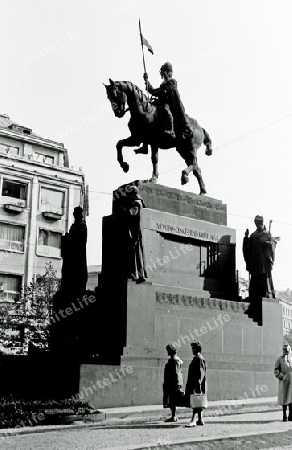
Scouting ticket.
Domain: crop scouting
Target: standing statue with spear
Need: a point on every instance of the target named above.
(259, 254)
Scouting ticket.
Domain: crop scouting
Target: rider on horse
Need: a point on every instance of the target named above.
(176, 123)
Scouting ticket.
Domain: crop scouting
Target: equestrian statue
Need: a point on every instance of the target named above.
(160, 122)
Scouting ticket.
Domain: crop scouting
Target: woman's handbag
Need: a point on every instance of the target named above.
(198, 401)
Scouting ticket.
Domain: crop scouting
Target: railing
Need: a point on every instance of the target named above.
(7, 244)
(8, 296)
(13, 201)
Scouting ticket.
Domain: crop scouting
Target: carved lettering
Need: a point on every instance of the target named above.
(187, 199)
(184, 231)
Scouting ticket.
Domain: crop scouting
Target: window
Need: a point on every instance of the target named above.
(49, 238)
(12, 237)
(49, 243)
(52, 201)
(9, 287)
(209, 260)
(15, 189)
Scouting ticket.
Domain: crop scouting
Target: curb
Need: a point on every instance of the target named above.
(222, 407)
(185, 412)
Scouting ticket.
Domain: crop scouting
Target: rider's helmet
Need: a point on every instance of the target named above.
(166, 67)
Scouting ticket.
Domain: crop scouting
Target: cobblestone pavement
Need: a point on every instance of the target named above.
(259, 430)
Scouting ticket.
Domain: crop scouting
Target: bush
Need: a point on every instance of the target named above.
(22, 412)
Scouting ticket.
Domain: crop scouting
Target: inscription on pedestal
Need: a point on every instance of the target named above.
(184, 231)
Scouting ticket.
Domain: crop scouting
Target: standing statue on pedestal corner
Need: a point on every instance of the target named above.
(73, 252)
(136, 267)
(259, 254)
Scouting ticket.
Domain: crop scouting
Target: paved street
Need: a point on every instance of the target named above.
(245, 431)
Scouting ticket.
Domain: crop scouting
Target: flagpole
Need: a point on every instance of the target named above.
(143, 57)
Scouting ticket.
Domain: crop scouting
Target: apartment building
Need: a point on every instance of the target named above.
(285, 299)
(38, 193)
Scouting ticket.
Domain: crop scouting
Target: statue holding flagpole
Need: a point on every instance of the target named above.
(160, 122)
(259, 255)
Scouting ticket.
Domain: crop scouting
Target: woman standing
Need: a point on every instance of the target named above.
(173, 382)
(283, 371)
(196, 383)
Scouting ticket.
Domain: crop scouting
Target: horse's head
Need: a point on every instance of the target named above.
(117, 97)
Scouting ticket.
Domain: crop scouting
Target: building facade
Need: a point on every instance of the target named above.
(38, 193)
(285, 300)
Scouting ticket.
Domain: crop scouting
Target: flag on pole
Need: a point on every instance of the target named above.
(144, 41)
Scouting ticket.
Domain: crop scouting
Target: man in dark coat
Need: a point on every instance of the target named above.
(196, 382)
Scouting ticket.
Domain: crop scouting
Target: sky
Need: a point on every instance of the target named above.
(232, 61)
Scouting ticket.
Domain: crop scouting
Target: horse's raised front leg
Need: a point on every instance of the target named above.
(154, 159)
(129, 142)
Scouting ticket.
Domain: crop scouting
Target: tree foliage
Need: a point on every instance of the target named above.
(27, 320)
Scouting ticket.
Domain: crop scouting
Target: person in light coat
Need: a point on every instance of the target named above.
(283, 371)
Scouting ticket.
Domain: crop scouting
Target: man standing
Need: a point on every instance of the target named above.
(259, 254)
(283, 371)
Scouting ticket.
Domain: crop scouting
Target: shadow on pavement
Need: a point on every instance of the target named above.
(163, 425)
(234, 422)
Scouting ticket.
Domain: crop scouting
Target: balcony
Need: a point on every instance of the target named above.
(49, 251)
(52, 212)
(52, 215)
(14, 205)
(7, 296)
(13, 246)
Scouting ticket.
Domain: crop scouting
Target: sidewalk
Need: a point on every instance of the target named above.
(256, 424)
(215, 408)
(136, 414)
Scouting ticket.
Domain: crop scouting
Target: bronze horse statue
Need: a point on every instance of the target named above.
(146, 127)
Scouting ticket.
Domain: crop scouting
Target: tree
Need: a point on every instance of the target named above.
(27, 321)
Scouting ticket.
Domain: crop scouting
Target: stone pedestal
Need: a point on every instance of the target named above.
(190, 295)
(190, 253)
(175, 201)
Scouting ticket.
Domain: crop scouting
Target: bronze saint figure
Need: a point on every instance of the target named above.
(73, 252)
(259, 254)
